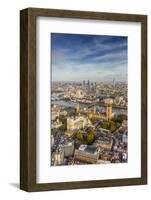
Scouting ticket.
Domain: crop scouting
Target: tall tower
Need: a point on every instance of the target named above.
(94, 109)
(108, 110)
(78, 108)
(114, 82)
(88, 83)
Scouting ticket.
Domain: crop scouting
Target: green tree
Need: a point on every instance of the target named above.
(94, 120)
(63, 127)
(90, 137)
(54, 131)
(105, 125)
(79, 136)
(110, 125)
(119, 118)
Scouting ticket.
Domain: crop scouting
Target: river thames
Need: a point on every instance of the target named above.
(67, 104)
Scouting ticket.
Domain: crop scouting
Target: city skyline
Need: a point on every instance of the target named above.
(77, 57)
(88, 123)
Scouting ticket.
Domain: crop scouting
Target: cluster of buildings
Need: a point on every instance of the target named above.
(93, 92)
(81, 121)
(105, 151)
(92, 112)
(107, 147)
(77, 122)
(56, 111)
(64, 150)
(88, 154)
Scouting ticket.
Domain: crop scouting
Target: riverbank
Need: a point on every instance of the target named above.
(100, 107)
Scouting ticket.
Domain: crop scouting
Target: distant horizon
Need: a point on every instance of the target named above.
(97, 58)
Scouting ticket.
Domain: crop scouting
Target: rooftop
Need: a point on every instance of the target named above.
(89, 148)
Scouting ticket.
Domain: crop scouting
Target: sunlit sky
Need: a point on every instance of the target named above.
(77, 57)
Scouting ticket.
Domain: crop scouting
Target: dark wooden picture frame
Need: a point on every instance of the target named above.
(28, 99)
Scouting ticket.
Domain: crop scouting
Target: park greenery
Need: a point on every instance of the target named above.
(62, 119)
(54, 131)
(87, 138)
(94, 120)
(119, 118)
(110, 125)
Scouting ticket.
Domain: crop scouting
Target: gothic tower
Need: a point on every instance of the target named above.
(78, 108)
(108, 111)
(94, 109)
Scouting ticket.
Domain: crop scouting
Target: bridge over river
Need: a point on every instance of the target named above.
(99, 106)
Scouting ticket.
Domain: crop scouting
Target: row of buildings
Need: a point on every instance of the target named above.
(85, 153)
(88, 154)
(82, 121)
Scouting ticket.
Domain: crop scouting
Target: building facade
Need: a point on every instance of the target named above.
(77, 122)
(87, 153)
(58, 157)
(68, 149)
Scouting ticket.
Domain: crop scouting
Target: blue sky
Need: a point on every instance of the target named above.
(77, 57)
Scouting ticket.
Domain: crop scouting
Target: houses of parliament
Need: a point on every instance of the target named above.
(107, 115)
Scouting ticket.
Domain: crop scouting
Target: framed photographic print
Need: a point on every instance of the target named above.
(83, 99)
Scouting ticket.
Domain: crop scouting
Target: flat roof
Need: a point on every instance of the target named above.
(91, 148)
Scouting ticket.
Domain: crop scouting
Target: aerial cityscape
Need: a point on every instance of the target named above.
(89, 103)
